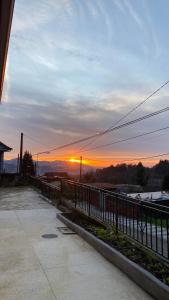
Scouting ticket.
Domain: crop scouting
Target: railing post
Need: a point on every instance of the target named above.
(117, 215)
(61, 186)
(103, 203)
(75, 192)
(141, 220)
(89, 202)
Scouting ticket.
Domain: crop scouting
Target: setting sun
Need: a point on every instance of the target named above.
(74, 160)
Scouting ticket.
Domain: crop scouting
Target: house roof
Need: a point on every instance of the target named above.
(4, 148)
(6, 14)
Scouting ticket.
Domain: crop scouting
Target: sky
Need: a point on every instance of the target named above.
(75, 67)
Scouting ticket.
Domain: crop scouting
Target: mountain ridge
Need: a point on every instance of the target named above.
(10, 166)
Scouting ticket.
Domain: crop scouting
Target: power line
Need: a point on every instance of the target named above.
(113, 129)
(133, 159)
(82, 149)
(35, 140)
(127, 114)
(148, 157)
(138, 105)
(125, 140)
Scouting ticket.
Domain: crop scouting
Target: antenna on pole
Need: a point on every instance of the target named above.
(21, 154)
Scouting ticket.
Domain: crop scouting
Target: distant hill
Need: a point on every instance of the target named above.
(10, 166)
(71, 168)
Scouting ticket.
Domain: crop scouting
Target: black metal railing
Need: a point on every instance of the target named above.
(49, 190)
(145, 222)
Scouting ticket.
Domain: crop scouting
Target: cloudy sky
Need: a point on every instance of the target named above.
(76, 66)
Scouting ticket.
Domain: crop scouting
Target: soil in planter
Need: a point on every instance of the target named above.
(130, 249)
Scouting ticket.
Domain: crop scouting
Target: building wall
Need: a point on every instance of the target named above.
(1, 162)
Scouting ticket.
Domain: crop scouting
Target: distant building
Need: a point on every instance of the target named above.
(159, 197)
(3, 148)
(52, 176)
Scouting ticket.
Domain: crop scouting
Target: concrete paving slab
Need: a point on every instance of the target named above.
(25, 286)
(21, 198)
(13, 238)
(18, 260)
(8, 219)
(37, 215)
(62, 276)
(53, 254)
(98, 287)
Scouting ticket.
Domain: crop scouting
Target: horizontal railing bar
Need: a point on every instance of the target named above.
(142, 203)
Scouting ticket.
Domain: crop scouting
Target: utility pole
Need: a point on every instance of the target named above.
(80, 178)
(21, 154)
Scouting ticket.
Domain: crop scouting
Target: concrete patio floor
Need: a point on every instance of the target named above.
(64, 268)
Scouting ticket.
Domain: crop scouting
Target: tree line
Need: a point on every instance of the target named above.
(153, 177)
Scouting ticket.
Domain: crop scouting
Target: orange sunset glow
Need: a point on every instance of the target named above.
(95, 161)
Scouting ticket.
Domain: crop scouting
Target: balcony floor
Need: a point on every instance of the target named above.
(64, 268)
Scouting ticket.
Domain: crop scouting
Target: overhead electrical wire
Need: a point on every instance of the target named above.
(113, 129)
(138, 105)
(127, 114)
(34, 140)
(149, 157)
(129, 159)
(125, 140)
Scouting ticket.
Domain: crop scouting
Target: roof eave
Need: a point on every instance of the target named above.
(6, 15)
(4, 148)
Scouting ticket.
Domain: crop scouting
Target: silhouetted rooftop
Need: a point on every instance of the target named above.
(4, 148)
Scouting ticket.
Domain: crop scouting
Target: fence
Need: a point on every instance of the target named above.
(145, 222)
(48, 190)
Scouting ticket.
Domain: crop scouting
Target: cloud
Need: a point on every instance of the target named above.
(73, 116)
(93, 9)
(144, 22)
(30, 16)
(106, 17)
(119, 5)
(133, 13)
(58, 121)
(75, 67)
(153, 33)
